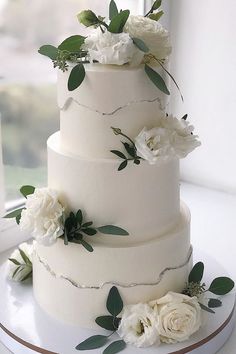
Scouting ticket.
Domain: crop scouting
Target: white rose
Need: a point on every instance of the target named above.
(43, 216)
(179, 317)
(20, 269)
(153, 143)
(139, 326)
(152, 33)
(112, 48)
(171, 138)
(182, 139)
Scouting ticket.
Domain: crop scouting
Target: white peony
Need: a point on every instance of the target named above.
(152, 33)
(179, 317)
(112, 48)
(19, 268)
(43, 216)
(171, 138)
(139, 326)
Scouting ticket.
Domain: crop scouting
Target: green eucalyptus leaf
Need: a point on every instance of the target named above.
(25, 257)
(114, 302)
(205, 308)
(109, 323)
(141, 45)
(18, 219)
(27, 276)
(79, 216)
(115, 347)
(156, 5)
(123, 165)
(156, 16)
(221, 286)
(14, 261)
(185, 117)
(72, 44)
(49, 51)
(14, 214)
(196, 273)
(87, 224)
(76, 77)
(66, 241)
(93, 342)
(112, 230)
(156, 79)
(86, 245)
(113, 10)
(118, 22)
(213, 303)
(89, 231)
(130, 149)
(27, 190)
(18, 269)
(119, 154)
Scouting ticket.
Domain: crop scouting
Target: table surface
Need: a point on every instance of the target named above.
(213, 229)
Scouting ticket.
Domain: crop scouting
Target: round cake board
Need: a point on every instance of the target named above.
(26, 328)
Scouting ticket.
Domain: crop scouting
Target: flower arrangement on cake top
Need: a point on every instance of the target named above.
(123, 40)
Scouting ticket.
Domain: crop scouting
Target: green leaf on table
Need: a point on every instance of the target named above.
(86, 245)
(89, 231)
(13, 260)
(87, 224)
(112, 230)
(27, 190)
(119, 154)
(196, 273)
(109, 323)
(221, 286)
(114, 302)
(72, 44)
(156, 79)
(118, 22)
(49, 51)
(213, 303)
(93, 342)
(25, 257)
(156, 5)
(14, 214)
(140, 45)
(123, 165)
(130, 149)
(79, 216)
(156, 16)
(76, 77)
(113, 10)
(115, 347)
(205, 308)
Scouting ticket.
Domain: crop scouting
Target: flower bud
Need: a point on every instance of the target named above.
(87, 18)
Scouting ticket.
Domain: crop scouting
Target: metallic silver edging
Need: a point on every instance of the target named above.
(71, 99)
(121, 285)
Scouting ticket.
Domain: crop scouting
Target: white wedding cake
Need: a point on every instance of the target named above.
(144, 199)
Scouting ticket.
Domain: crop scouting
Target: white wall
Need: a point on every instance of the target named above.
(204, 64)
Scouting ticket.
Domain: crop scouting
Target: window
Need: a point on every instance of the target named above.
(27, 81)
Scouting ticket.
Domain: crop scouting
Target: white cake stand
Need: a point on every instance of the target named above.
(25, 328)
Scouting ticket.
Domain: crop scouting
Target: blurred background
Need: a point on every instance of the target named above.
(203, 63)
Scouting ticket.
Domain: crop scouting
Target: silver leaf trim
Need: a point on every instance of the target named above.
(113, 283)
(70, 100)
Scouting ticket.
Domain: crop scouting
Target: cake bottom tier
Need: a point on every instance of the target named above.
(72, 284)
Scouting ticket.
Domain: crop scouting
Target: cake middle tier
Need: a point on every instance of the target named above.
(144, 199)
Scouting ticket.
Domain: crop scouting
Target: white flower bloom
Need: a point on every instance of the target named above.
(139, 326)
(18, 268)
(179, 317)
(112, 48)
(172, 138)
(43, 216)
(152, 33)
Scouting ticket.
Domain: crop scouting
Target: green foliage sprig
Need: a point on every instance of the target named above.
(16, 214)
(130, 149)
(76, 229)
(195, 287)
(109, 322)
(25, 265)
(155, 6)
